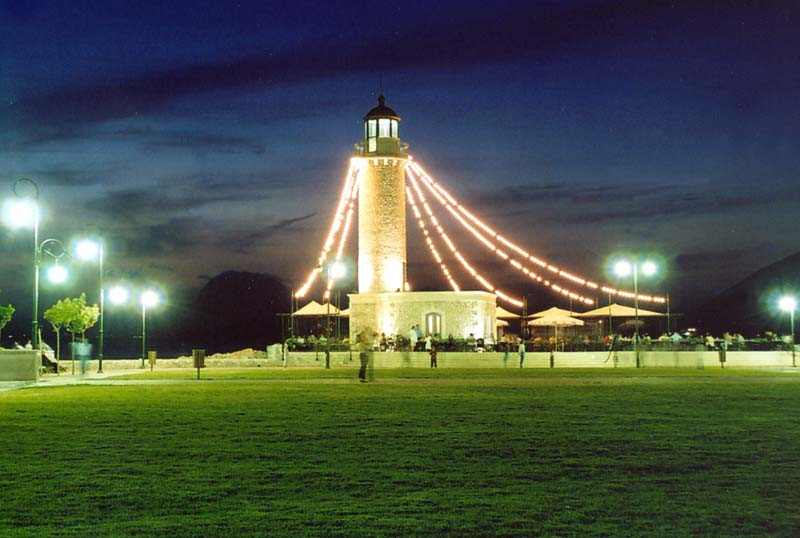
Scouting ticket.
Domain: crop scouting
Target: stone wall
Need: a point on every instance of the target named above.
(343, 359)
(19, 365)
(462, 313)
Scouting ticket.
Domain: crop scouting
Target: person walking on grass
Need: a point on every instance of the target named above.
(521, 350)
(431, 349)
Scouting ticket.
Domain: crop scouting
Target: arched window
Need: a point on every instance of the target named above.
(433, 323)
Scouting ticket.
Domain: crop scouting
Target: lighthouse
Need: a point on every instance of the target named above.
(382, 203)
(384, 303)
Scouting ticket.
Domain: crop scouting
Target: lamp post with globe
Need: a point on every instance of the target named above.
(22, 211)
(148, 299)
(624, 268)
(788, 303)
(90, 250)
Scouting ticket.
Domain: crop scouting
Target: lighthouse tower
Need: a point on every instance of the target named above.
(384, 303)
(382, 203)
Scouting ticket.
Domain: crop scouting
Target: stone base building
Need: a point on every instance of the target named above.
(446, 313)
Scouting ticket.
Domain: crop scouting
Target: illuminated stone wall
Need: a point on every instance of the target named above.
(382, 225)
(462, 312)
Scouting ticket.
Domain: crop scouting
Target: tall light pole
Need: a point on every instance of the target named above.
(336, 271)
(148, 299)
(625, 268)
(788, 303)
(89, 250)
(23, 212)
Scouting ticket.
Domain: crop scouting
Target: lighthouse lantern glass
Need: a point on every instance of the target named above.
(383, 128)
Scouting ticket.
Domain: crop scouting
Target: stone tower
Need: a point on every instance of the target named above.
(382, 203)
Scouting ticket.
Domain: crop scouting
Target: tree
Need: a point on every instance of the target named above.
(6, 313)
(59, 316)
(74, 315)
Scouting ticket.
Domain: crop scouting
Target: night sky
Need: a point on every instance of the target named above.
(204, 136)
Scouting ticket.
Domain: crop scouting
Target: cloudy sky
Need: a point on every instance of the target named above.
(203, 136)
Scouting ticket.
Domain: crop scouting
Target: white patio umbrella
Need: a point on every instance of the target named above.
(501, 312)
(313, 308)
(554, 311)
(556, 321)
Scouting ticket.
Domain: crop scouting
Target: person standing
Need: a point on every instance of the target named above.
(412, 338)
(521, 350)
(431, 349)
(364, 350)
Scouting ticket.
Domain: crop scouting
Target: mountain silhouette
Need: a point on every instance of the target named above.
(751, 306)
(237, 309)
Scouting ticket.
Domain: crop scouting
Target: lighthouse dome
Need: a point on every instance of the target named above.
(381, 111)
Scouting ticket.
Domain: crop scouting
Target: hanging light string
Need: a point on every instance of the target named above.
(500, 253)
(454, 250)
(345, 235)
(336, 225)
(431, 247)
(452, 204)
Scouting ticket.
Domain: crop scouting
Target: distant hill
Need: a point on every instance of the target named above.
(237, 309)
(750, 306)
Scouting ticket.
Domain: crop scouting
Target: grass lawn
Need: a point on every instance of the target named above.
(510, 452)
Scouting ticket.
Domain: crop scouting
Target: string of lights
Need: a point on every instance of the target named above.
(500, 253)
(345, 235)
(459, 211)
(454, 250)
(431, 247)
(336, 225)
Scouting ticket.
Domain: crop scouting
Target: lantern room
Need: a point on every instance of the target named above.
(382, 132)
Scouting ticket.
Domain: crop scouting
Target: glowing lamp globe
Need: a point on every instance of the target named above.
(57, 274)
(87, 250)
(337, 271)
(149, 298)
(20, 213)
(118, 295)
(623, 268)
(649, 268)
(787, 303)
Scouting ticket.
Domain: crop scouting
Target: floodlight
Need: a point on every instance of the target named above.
(337, 270)
(623, 268)
(787, 303)
(87, 250)
(20, 213)
(119, 295)
(57, 274)
(149, 298)
(649, 268)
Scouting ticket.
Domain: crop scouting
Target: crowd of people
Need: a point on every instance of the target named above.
(416, 340)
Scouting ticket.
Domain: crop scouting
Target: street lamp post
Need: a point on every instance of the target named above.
(788, 303)
(624, 268)
(23, 211)
(88, 250)
(148, 299)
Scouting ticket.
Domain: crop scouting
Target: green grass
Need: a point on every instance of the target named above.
(510, 452)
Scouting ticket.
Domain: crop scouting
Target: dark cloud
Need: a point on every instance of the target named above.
(515, 30)
(147, 138)
(69, 174)
(243, 242)
(595, 204)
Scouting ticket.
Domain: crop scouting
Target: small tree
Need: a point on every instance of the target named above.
(74, 315)
(59, 315)
(84, 317)
(6, 313)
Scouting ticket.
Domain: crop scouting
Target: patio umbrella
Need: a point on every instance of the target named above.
(315, 309)
(503, 313)
(618, 311)
(556, 321)
(554, 311)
